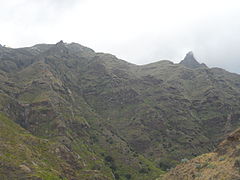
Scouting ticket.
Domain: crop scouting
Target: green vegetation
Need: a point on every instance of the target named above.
(223, 163)
(68, 112)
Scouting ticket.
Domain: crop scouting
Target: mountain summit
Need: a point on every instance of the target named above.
(68, 112)
(191, 62)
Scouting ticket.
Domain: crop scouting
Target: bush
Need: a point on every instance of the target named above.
(198, 166)
(96, 167)
(164, 165)
(128, 176)
(212, 166)
(110, 162)
(94, 139)
(184, 160)
(237, 163)
(116, 175)
(113, 167)
(109, 159)
(143, 171)
(221, 159)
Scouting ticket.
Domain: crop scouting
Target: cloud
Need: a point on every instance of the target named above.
(140, 31)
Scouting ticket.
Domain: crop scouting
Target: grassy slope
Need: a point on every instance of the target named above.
(49, 109)
(164, 110)
(25, 156)
(223, 163)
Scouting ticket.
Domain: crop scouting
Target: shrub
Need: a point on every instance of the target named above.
(96, 167)
(109, 159)
(94, 139)
(164, 165)
(198, 166)
(116, 175)
(184, 160)
(143, 171)
(110, 162)
(128, 176)
(212, 166)
(221, 159)
(113, 167)
(237, 163)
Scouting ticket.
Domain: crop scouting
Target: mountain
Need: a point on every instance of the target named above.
(50, 130)
(190, 61)
(223, 163)
(69, 112)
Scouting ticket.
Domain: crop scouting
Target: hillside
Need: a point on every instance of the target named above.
(114, 119)
(223, 163)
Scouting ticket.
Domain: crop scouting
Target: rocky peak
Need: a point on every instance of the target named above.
(59, 49)
(2, 46)
(80, 50)
(191, 62)
(60, 43)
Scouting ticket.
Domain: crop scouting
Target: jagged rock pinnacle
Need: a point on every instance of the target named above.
(190, 61)
(60, 43)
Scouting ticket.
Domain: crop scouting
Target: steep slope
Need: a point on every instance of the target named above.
(223, 163)
(124, 121)
(24, 156)
(166, 111)
(49, 103)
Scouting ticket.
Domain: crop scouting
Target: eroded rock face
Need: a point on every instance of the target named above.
(190, 61)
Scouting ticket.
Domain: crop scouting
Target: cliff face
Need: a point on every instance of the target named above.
(110, 118)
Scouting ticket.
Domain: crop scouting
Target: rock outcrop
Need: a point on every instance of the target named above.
(191, 62)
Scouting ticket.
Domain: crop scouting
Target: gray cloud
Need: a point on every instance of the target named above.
(138, 31)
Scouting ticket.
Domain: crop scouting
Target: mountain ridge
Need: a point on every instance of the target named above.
(47, 46)
(135, 120)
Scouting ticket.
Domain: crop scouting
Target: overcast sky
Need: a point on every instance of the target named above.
(139, 31)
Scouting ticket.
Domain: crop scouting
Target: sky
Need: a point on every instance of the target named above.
(138, 31)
